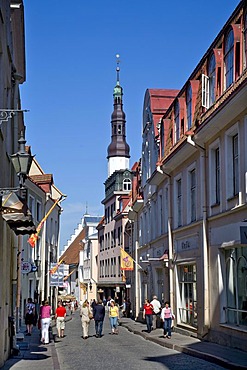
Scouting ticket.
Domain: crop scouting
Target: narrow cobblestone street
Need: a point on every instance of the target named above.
(123, 351)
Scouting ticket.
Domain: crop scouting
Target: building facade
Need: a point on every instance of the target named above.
(197, 190)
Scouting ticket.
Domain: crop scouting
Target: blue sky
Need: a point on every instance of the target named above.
(70, 61)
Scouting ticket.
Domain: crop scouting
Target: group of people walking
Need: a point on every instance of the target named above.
(97, 312)
(152, 311)
(43, 317)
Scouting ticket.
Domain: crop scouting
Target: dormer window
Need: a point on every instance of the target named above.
(211, 76)
(189, 107)
(229, 58)
(177, 124)
(126, 184)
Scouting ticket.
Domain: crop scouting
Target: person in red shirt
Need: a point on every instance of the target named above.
(148, 314)
(60, 319)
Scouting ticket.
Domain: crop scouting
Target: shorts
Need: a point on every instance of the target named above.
(60, 323)
(29, 319)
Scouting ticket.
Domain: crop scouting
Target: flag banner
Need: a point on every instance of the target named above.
(55, 266)
(127, 262)
(56, 279)
(34, 237)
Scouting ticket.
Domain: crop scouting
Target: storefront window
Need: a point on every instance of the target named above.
(188, 299)
(236, 286)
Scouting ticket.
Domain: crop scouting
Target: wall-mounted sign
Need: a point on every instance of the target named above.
(26, 267)
(187, 244)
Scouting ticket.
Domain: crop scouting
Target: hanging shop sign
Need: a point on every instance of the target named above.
(26, 267)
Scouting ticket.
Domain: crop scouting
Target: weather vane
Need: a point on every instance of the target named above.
(118, 68)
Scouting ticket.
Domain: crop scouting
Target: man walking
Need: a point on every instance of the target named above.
(156, 310)
(99, 315)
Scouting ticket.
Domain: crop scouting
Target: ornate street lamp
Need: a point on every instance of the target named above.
(21, 161)
(14, 208)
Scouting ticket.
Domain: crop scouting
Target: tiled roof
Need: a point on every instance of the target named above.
(71, 254)
(41, 179)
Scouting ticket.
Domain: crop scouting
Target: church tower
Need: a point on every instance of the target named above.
(118, 150)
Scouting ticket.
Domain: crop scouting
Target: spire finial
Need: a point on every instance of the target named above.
(118, 68)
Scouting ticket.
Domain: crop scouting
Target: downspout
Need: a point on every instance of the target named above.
(204, 245)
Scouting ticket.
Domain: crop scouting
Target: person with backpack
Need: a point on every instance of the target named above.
(29, 315)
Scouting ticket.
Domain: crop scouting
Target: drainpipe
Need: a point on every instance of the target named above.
(204, 245)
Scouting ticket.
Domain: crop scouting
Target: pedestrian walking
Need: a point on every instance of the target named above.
(128, 308)
(99, 315)
(29, 315)
(86, 316)
(60, 319)
(114, 317)
(156, 310)
(148, 314)
(45, 320)
(167, 316)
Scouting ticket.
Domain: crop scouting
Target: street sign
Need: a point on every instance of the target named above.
(56, 279)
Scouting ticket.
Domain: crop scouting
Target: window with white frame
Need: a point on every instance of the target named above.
(232, 161)
(205, 91)
(160, 214)
(166, 209)
(192, 189)
(229, 58)
(215, 173)
(177, 123)
(126, 184)
(189, 106)
(178, 202)
(235, 161)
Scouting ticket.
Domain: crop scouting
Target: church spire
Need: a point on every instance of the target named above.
(118, 150)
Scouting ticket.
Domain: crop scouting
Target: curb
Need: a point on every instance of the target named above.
(192, 352)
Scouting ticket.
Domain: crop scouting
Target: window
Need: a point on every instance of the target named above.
(211, 76)
(193, 195)
(205, 91)
(229, 58)
(38, 211)
(245, 40)
(31, 205)
(235, 285)
(187, 303)
(217, 175)
(179, 202)
(189, 107)
(126, 184)
(232, 161)
(177, 126)
(235, 165)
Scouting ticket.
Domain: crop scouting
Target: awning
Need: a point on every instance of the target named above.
(17, 215)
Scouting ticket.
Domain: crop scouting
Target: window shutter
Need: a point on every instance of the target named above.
(205, 91)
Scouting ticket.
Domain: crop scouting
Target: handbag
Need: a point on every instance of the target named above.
(90, 315)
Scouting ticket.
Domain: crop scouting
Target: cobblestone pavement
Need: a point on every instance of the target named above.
(133, 348)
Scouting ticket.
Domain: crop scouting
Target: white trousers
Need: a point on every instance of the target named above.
(45, 324)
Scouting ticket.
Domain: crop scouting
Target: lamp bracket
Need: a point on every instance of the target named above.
(4, 191)
(6, 114)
